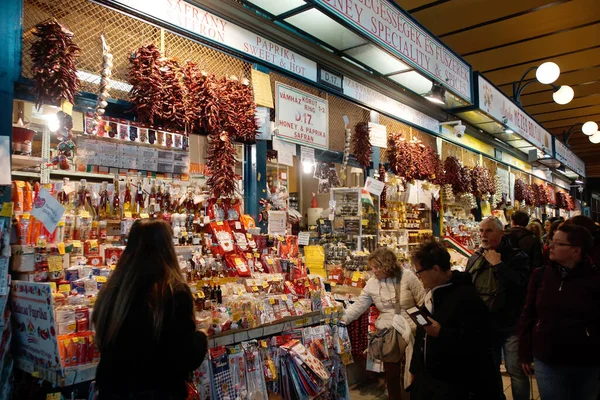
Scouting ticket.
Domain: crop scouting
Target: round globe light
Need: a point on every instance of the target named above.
(563, 95)
(589, 128)
(595, 138)
(547, 73)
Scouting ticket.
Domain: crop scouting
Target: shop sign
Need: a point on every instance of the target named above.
(387, 105)
(301, 117)
(387, 25)
(217, 30)
(330, 79)
(34, 326)
(277, 223)
(495, 103)
(568, 158)
(374, 186)
(378, 135)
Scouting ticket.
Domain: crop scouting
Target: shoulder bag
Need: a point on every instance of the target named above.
(388, 345)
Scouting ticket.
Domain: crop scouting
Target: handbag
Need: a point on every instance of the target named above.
(387, 344)
(192, 391)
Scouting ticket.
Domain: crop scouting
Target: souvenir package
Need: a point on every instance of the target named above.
(216, 209)
(257, 389)
(239, 234)
(289, 246)
(223, 236)
(202, 380)
(237, 366)
(222, 386)
(305, 372)
(343, 345)
(238, 264)
(234, 210)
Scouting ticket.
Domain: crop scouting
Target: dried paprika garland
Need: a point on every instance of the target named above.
(146, 80)
(171, 96)
(362, 144)
(239, 109)
(220, 162)
(483, 183)
(452, 173)
(520, 190)
(381, 178)
(193, 79)
(54, 56)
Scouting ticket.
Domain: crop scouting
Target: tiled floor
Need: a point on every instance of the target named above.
(375, 390)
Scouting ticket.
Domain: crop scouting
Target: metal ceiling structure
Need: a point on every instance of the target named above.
(502, 39)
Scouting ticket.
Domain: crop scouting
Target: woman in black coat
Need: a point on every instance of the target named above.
(145, 323)
(452, 358)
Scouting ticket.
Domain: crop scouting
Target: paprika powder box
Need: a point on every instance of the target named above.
(112, 255)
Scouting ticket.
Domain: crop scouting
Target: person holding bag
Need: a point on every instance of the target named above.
(393, 289)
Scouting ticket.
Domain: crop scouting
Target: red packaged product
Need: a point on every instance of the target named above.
(238, 263)
(223, 236)
(289, 246)
(112, 255)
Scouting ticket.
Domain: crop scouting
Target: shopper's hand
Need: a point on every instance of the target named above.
(492, 257)
(527, 369)
(432, 330)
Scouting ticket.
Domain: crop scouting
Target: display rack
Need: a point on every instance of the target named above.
(286, 324)
(355, 219)
(22, 162)
(71, 376)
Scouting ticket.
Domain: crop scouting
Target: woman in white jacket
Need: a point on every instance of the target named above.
(381, 291)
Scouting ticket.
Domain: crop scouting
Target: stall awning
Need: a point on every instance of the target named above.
(379, 37)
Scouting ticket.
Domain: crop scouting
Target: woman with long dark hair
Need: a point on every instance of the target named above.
(145, 323)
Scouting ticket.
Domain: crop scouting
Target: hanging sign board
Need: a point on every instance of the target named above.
(495, 103)
(277, 223)
(210, 27)
(374, 186)
(378, 135)
(330, 79)
(47, 210)
(33, 319)
(387, 105)
(387, 25)
(261, 84)
(301, 117)
(568, 158)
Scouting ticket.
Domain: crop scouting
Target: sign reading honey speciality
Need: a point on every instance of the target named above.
(301, 117)
(208, 26)
(387, 25)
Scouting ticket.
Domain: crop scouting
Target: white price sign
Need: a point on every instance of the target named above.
(301, 117)
(374, 186)
(378, 135)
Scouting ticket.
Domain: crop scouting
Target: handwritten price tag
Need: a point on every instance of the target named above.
(55, 263)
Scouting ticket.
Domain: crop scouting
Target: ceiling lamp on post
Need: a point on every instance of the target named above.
(547, 74)
(590, 129)
(436, 94)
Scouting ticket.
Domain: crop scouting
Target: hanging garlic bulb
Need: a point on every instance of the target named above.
(107, 65)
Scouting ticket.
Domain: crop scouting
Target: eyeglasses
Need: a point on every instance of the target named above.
(418, 273)
(558, 244)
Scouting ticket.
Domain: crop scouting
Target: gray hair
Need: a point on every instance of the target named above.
(497, 224)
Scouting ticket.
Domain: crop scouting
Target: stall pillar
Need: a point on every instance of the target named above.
(10, 60)
(376, 154)
(255, 182)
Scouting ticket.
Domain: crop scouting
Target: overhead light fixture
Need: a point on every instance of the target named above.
(589, 128)
(436, 94)
(505, 126)
(579, 181)
(547, 73)
(508, 130)
(563, 95)
(595, 138)
(307, 166)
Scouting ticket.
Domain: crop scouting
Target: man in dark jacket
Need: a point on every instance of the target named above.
(452, 358)
(522, 238)
(500, 274)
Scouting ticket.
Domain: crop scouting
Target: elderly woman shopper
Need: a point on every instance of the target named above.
(391, 285)
(559, 330)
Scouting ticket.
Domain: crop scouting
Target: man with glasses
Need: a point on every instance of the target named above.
(452, 356)
(559, 328)
(500, 274)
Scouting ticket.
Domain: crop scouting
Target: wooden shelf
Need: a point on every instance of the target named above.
(21, 162)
